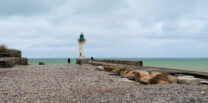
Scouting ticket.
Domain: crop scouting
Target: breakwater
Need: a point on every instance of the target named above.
(139, 66)
(124, 62)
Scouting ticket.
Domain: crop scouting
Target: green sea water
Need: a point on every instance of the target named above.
(193, 64)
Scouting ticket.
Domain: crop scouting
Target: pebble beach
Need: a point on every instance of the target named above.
(64, 83)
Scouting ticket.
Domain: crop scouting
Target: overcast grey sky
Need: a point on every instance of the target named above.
(113, 28)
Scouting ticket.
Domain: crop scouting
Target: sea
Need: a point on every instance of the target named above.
(192, 64)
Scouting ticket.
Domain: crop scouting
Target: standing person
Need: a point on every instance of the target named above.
(92, 58)
(69, 60)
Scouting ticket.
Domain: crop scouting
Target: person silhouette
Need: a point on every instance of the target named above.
(69, 60)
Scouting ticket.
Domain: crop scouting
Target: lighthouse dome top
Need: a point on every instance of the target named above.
(81, 38)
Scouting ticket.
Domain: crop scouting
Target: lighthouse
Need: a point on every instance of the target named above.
(81, 42)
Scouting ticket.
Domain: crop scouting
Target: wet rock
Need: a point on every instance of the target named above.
(41, 63)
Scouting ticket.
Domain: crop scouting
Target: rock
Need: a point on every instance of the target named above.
(204, 82)
(41, 63)
(172, 79)
(74, 100)
(124, 70)
(153, 74)
(124, 73)
(130, 75)
(38, 101)
(188, 80)
(116, 71)
(161, 78)
(162, 82)
(136, 76)
(111, 80)
(145, 79)
(108, 68)
(5, 93)
(124, 80)
(99, 68)
(142, 76)
(142, 73)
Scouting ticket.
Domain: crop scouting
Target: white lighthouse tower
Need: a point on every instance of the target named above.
(81, 42)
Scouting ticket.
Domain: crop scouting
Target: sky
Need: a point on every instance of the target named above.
(112, 28)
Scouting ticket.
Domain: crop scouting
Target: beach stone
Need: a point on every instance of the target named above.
(124, 80)
(99, 68)
(41, 63)
(204, 81)
(188, 80)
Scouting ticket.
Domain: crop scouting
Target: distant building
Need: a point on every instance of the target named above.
(81, 42)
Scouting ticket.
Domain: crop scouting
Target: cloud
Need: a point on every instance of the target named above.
(22, 7)
(113, 28)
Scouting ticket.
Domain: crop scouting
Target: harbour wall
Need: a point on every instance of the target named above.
(139, 65)
(125, 62)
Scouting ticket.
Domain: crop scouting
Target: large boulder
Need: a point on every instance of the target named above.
(116, 71)
(124, 70)
(141, 76)
(130, 75)
(162, 82)
(108, 68)
(99, 68)
(162, 78)
(145, 79)
(142, 73)
(41, 63)
(188, 80)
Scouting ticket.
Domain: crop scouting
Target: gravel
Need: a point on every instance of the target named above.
(84, 84)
